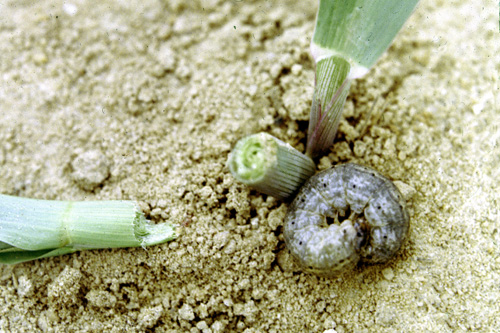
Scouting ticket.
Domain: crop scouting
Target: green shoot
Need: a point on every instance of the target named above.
(270, 165)
(348, 39)
(33, 229)
(330, 93)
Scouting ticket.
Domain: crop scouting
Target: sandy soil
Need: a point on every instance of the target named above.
(156, 94)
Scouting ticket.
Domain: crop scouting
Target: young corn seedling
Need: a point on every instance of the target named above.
(32, 229)
(348, 39)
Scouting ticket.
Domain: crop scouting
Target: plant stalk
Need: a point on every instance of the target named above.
(348, 39)
(270, 165)
(32, 229)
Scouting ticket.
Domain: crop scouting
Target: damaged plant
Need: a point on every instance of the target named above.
(348, 39)
(350, 212)
(32, 229)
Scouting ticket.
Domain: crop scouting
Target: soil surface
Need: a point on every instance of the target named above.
(144, 100)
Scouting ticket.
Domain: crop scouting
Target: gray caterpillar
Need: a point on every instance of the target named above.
(345, 214)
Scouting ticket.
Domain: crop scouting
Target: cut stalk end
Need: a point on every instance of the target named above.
(151, 234)
(270, 165)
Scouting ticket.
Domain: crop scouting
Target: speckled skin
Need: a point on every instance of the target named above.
(343, 215)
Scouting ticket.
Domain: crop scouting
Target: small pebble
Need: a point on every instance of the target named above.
(90, 169)
(388, 273)
(186, 312)
(296, 69)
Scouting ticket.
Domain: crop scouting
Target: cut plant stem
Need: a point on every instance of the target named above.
(349, 36)
(32, 229)
(270, 165)
(330, 94)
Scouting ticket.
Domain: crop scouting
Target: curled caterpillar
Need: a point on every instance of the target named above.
(343, 215)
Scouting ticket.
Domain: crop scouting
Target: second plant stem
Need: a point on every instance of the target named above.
(330, 93)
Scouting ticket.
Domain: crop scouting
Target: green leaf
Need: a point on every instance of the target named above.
(16, 257)
(358, 30)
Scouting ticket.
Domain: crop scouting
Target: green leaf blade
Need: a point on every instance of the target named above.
(358, 30)
(16, 257)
